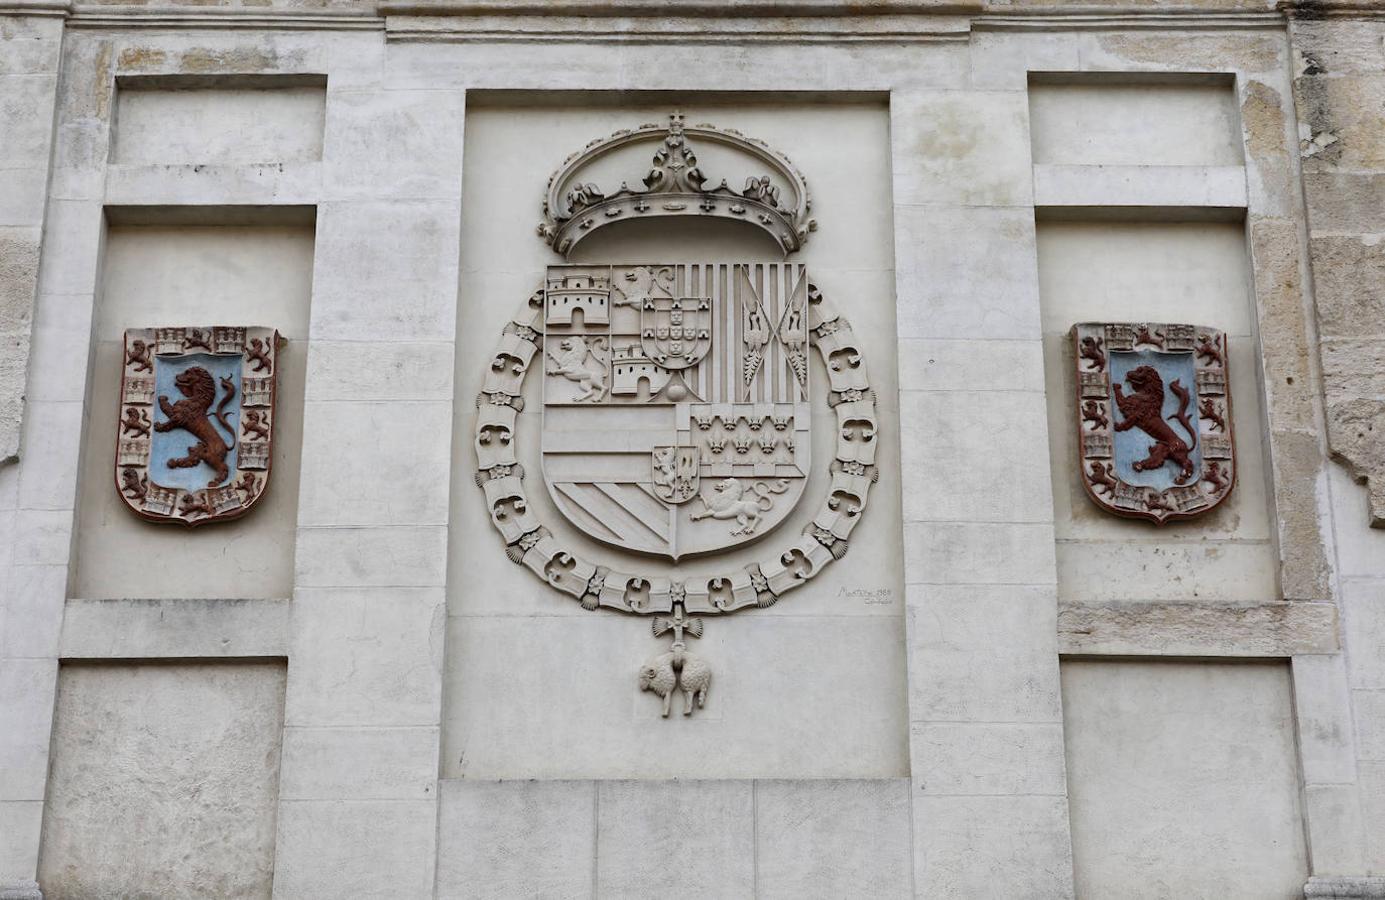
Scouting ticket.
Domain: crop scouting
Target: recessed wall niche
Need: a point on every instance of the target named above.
(538, 687)
(1121, 271)
(237, 120)
(172, 267)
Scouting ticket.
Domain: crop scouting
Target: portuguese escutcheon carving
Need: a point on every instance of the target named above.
(677, 402)
(1153, 409)
(195, 434)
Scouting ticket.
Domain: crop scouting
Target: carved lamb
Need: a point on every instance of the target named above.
(681, 669)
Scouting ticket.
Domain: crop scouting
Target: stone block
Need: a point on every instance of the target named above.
(22, 196)
(182, 627)
(26, 691)
(940, 364)
(1197, 628)
(1002, 60)
(560, 713)
(1360, 548)
(1344, 202)
(1356, 431)
(353, 370)
(1223, 572)
(1372, 783)
(982, 654)
(976, 449)
(961, 148)
(163, 780)
(978, 553)
(21, 822)
(43, 537)
(359, 763)
(31, 611)
(1363, 621)
(395, 556)
(58, 365)
(51, 449)
(396, 144)
(1332, 819)
(501, 839)
(1370, 724)
(831, 838)
(366, 657)
(30, 45)
(966, 273)
(1322, 705)
(1020, 843)
(1334, 110)
(1184, 807)
(72, 235)
(988, 758)
(389, 463)
(675, 838)
(386, 271)
(355, 848)
(26, 108)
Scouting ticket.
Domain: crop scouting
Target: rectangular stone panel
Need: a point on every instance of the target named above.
(1123, 119)
(1183, 780)
(163, 781)
(168, 121)
(178, 275)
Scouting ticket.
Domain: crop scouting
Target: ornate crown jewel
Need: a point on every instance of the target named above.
(776, 201)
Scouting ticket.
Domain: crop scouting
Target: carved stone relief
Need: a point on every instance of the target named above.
(1153, 418)
(196, 428)
(677, 405)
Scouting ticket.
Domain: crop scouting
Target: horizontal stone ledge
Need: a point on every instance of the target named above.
(174, 629)
(1158, 187)
(1345, 887)
(1265, 630)
(270, 184)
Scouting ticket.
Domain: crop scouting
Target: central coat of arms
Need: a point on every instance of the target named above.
(677, 400)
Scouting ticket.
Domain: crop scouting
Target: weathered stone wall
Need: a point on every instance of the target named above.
(452, 727)
(1338, 87)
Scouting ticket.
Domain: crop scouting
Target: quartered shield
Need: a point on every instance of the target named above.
(195, 432)
(1153, 418)
(668, 427)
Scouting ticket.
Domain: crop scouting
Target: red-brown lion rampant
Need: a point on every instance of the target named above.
(194, 416)
(1144, 410)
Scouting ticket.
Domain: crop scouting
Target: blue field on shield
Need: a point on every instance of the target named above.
(175, 443)
(1133, 445)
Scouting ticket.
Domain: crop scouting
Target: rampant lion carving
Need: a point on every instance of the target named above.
(728, 501)
(1144, 410)
(571, 362)
(646, 282)
(194, 416)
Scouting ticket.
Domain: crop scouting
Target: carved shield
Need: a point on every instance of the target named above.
(674, 331)
(669, 429)
(1153, 418)
(195, 433)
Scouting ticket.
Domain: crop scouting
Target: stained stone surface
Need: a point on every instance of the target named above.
(164, 781)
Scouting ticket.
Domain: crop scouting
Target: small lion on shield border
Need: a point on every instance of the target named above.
(195, 429)
(1154, 435)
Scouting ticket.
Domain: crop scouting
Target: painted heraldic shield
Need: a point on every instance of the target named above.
(1153, 418)
(195, 432)
(676, 401)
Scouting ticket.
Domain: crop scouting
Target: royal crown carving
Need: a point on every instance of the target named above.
(773, 197)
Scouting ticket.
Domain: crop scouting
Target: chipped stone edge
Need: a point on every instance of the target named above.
(1264, 630)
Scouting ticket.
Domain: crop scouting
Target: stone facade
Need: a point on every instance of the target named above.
(1000, 689)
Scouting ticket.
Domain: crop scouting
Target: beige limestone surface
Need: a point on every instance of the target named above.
(163, 781)
(1193, 272)
(814, 686)
(1183, 780)
(194, 275)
